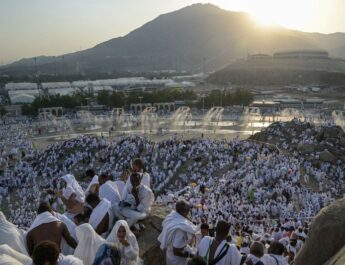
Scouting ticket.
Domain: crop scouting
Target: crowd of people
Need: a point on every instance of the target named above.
(244, 197)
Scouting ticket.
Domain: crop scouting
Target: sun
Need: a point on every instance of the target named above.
(294, 14)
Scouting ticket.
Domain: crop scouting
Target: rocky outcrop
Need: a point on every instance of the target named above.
(150, 251)
(305, 148)
(326, 237)
(337, 259)
(327, 143)
(327, 156)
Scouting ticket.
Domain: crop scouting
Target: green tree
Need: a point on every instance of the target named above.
(3, 111)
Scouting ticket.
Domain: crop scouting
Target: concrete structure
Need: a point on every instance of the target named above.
(117, 111)
(13, 110)
(258, 56)
(313, 103)
(289, 103)
(316, 54)
(266, 105)
(139, 107)
(169, 106)
(45, 113)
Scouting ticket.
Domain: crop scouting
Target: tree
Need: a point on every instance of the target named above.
(3, 111)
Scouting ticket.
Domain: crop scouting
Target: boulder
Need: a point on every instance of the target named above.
(305, 148)
(149, 248)
(326, 236)
(327, 156)
(337, 259)
(333, 132)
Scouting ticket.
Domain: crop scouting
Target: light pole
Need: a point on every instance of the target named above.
(35, 60)
(203, 104)
(141, 108)
(55, 65)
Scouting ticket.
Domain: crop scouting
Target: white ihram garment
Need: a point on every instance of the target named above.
(6, 250)
(98, 213)
(232, 257)
(89, 243)
(73, 187)
(177, 232)
(134, 213)
(110, 191)
(12, 236)
(93, 182)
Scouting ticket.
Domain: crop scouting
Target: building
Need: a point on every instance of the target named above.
(266, 105)
(311, 54)
(313, 103)
(13, 110)
(289, 103)
(259, 56)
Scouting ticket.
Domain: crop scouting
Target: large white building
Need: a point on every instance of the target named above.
(26, 92)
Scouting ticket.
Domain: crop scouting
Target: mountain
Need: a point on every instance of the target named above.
(187, 39)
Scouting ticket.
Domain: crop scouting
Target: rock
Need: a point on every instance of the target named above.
(326, 236)
(327, 156)
(305, 148)
(337, 259)
(333, 132)
(150, 251)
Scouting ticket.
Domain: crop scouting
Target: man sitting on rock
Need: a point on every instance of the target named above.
(101, 218)
(136, 203)
(47, 227)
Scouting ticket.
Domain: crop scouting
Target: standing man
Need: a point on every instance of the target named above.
(217, 250)
(178, 231)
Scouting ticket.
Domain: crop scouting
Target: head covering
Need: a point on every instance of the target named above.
(94, 181)
(130, 237)
(130, 254)
(107, 254)
(89, 243)
(11, 235)
(73, 187)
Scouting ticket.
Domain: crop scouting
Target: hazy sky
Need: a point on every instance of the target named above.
(53, 27)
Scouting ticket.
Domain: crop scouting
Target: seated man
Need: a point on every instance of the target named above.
(94, 183)
(72, 195)
(101, 218)
(108, 189)
(121, 183)
(136, 203)
(47, 227)
(145, 179)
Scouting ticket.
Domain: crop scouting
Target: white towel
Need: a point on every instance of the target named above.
(172, 222)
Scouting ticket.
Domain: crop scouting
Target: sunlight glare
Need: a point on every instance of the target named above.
(294, 14)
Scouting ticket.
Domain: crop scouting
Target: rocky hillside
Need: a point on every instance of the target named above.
(325, 143)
